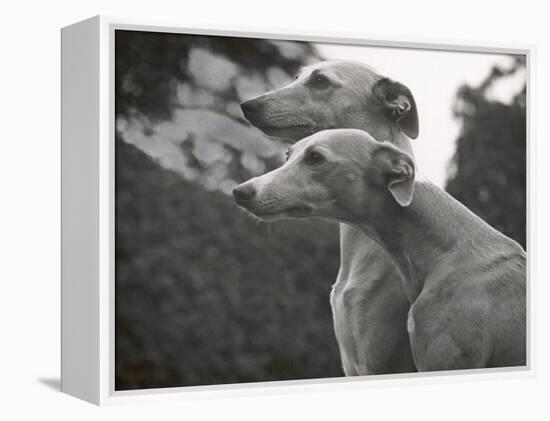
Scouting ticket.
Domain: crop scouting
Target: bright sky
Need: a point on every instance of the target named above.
(433, 77)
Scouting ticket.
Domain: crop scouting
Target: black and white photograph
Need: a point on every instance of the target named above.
(275, 211)
(292, 210)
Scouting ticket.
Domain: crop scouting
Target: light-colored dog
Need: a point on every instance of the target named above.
(466, 280)
(368, 303)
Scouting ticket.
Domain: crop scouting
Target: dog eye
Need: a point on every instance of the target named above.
(313, 158)
(320, 82)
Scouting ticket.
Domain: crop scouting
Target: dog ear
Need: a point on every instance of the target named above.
(402, 184)
(399, 104)
(398, 168)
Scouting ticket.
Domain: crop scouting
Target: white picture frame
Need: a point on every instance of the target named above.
(88, 214)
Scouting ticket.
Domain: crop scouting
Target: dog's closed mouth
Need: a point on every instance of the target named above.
(292, 211)
(300, 210)
(280, 127)
(286, 126)
(287, 131)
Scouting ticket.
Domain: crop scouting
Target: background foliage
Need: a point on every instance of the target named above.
(488, 170)
(204, 293)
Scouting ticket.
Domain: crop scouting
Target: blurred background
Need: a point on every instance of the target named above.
(204, 294)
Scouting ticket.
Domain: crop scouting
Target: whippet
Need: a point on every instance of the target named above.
(367, 300)
(465, 280)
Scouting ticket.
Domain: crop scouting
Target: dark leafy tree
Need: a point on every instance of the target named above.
(149, 65)
(205, 295)
(488, 170)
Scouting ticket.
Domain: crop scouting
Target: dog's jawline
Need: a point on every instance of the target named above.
(288, 134)
(293, 212)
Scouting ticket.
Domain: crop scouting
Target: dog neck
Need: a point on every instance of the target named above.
(383, 131)
(398, 138)
(420, 236)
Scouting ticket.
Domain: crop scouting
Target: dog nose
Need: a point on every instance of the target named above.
(249, 108)
(244, 193)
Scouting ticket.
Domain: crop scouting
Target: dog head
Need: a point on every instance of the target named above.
(341, 174)
(334, 94)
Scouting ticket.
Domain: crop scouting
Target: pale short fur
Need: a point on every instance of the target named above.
(465, 279)
(368, 303)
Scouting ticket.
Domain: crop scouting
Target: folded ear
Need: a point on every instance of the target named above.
(398, 168)
(399, 104)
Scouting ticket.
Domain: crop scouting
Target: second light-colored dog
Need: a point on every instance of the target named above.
(368, 302)
(466, 280)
